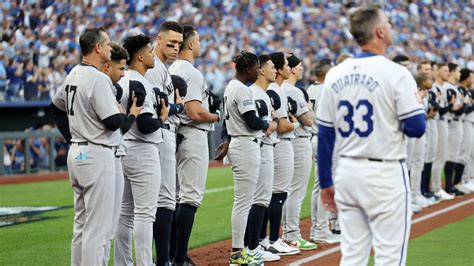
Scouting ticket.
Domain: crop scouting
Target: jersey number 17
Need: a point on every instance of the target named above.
(70, 91)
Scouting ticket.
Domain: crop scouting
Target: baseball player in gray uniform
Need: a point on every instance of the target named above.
(442, 129)
(465, 84)
(283, 163)
(263, 191)
(455, 130)
(244, 126)
(427, 68)
(367, 98)
(192, 155)
(302, 157)
(86, 112)
(168, 41)
(417, 146)
(320, 231)
(115, 69)
(141, 164)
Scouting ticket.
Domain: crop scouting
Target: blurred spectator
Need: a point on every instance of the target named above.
(18, 157)
(62, 147)
(3, 76)
(44, 87)
(30, 80)
(7, 162)
(14, 74)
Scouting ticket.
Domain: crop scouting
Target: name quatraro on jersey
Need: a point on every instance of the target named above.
(353, 80)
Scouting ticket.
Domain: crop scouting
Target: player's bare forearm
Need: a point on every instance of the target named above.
(284, 125)
(307, 119)
(199, 114)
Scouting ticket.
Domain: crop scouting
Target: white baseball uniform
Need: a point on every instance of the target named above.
(364, 100)
(442, 148)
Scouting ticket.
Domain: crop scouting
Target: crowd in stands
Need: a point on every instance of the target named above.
(39, 38)
(14, 160)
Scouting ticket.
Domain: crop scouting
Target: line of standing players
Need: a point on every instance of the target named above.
(447, 94)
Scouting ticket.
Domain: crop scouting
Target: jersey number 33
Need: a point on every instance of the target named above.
(363, 125)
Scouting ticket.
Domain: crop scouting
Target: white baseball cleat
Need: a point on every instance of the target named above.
(279, 247)
(443, 195)
(326, 238)
(265, 243)
(263, 255)
(463, 188)
(416, 208)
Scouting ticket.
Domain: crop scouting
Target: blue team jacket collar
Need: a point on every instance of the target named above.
(365, 54)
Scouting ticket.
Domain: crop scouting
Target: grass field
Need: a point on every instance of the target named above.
(451, 244)
(47, 242)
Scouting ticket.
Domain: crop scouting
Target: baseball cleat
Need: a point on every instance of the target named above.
(462, 188)
(327, 238)
(263, 255)
(443, 195)
(265, 243)
(303, 244)
(279, 247)
(242, 258)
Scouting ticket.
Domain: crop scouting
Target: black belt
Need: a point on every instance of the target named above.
(455, 119)
(289, 139)
(165, 126)
(300, 137)
(274, 144)
(85, 143)
(372, 159)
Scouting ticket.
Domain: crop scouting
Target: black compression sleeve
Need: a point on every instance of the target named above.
(146, 124)
(254, 122)
(127, 124)
(114, 122)
(61, 121)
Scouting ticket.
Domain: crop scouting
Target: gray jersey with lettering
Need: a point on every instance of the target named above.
(87, 102)
(260, 95)
(160, 77)
(197, 90)
(238, 100)
(150, 101)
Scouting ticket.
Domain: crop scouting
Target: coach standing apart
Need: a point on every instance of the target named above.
(168, 41)
(192, 155)
(368, 99)
(87, 114)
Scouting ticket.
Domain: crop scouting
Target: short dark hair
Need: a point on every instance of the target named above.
(89, 38)
(465, 73)
(278, 59)
(245, 60)
(424, 62)
(322, 67)
(188, 33)
(264, 58)
(171, 25)
(400, 58)
(133, 44)
(362, 22)
(433, 63)
(118, 52)
(452, 67)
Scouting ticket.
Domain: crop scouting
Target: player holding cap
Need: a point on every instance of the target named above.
(141, 164)
(243, 126)
(193, 152)
(366, 99)
(302, 156)
(168, 41)
(87, 115)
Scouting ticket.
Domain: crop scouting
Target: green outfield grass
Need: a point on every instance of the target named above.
(451, 244)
